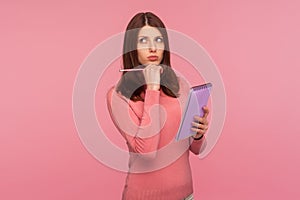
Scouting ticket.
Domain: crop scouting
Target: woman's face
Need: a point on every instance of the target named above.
(150, 46)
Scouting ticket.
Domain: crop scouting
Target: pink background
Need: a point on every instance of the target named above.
(254, 43)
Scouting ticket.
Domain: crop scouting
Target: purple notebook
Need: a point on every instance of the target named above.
(198, 97)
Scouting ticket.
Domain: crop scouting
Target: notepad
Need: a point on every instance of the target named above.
(197, 98)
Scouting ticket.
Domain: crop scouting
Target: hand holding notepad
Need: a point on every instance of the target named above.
(197, 98)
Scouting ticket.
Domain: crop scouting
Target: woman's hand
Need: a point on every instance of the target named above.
(200, 125)
(152, 76)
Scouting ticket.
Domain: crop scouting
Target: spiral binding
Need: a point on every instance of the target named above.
(201, 87)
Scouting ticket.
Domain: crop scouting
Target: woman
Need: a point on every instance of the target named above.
(146, 109)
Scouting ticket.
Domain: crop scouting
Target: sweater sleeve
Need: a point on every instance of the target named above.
(197, 146)
(138, 122)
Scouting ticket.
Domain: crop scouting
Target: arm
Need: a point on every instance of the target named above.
(197, 146)
(200, 125)
(138, 122)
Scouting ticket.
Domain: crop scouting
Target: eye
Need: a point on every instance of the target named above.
(159, 39)
(143, 40)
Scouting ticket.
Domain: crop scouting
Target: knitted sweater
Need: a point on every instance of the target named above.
(159, 166)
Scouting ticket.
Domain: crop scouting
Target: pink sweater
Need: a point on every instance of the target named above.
(159, 166)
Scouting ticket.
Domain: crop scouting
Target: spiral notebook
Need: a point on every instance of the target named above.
(197, 98)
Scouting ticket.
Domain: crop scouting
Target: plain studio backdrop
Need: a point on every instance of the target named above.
(255, 45)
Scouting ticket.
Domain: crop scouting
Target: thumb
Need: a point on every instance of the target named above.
(206, 111)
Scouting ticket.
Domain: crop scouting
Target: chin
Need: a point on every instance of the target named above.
(154, 62)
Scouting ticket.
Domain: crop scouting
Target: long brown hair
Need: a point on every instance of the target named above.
(132, 85)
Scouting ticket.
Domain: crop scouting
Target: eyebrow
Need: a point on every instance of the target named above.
(148, 36)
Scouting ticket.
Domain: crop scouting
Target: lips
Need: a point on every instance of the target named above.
(152, 58)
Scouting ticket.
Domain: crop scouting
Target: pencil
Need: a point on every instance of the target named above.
(131, 70)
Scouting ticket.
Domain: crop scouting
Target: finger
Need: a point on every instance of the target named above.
(200, 119)
(198, 130)
(154, 68)
(200, 126)
(158, 68)
(197, 125)
(161, 69)
(206, 111)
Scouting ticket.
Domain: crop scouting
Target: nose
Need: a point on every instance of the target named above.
(152, 46)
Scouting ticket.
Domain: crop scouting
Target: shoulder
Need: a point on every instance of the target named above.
(109, 95)
(110, 92)
(117, 103)
(114, 97)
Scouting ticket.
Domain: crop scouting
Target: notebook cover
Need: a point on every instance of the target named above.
(198, 97)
